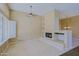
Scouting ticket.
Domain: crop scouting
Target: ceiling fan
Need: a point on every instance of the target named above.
(31, 14)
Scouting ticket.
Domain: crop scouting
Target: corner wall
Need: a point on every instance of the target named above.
(4, 9)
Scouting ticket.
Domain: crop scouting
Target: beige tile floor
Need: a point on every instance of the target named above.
(33, 47)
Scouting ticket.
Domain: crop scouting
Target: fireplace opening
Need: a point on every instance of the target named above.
(49, 35)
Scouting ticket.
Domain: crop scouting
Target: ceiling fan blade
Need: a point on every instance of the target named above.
(31, 14)
(34, 15)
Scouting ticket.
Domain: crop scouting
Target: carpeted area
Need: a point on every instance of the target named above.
(73, 52)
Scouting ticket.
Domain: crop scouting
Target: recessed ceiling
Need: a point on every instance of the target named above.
(71, 9)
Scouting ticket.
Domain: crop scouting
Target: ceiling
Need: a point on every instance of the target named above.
(65, 9)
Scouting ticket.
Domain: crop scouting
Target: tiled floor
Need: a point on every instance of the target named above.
(33, 47)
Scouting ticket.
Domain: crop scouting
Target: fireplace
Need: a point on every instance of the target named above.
(49, 35)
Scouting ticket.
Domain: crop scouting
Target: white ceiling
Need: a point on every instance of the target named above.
(65, 9)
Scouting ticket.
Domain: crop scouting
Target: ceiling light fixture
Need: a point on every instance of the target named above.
(31, 13)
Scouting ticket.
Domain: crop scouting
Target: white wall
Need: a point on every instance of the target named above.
(27, 27)
(51, 22)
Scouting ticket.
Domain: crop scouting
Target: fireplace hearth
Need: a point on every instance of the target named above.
(49, 35)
